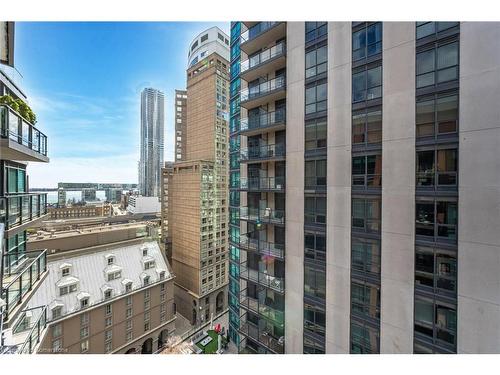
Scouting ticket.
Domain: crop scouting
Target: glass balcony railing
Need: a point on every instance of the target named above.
(263, 152)
(262, 335)
(276, 250)
(17, 129)
(263, 121)
(263, 183)
(256, 30)
(274, 282)
(265, 215)
(263, 89)
(263, 57)
(258, 306)
(30, 329)
(18, 282)
(17, 209)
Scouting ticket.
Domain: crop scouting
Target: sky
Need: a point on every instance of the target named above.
(83, 80)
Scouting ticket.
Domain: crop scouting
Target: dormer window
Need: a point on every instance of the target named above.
(145, 279)
(114, 275)
(110, 259)
(65, 271)
(149, 264)
(107, 294)
(127, 285)
(84, 302)
(67, 289)
(144, 251)
(56, 312)
(162, 275)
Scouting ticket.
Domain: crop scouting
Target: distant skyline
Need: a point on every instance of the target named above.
(84, 79)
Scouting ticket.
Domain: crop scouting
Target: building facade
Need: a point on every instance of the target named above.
(194, 211)
(152, 142)
(21, 271)
(180, 124)
(378, 215)
(126, 307)
(79, 211)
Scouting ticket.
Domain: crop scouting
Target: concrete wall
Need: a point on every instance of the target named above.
(479, 189)
(398, 188)
(338, 220)
(294, 232)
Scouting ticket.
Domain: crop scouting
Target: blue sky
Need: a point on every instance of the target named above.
(84, 80)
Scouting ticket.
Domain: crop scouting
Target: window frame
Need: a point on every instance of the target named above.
(434, 47)
(364, 71)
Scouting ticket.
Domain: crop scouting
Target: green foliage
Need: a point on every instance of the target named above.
(19, 106)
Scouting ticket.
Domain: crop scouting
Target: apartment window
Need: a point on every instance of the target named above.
(367, 84)
(56, 330)
(315, 30)
(129, 336)
(315, 246)
(436, 268)
(314, 319)
(367, 171)
(367, 41)
(365, 255)
(84, 332)
(366, 214)
(108, 309)
(365, 299)
(67, 289)
(84, 346)
(128, 287)
(108, 347)
(147, 326)
(107, 294)
(364, 339)
(315, 134)
(437, 115)
(162, 287)
(436, 219)
(114, 275)
(315, 210)
(316, 61)
(84, 318)
(146, 280)
(204, 38)
(128, 312)
(367, 126)
(147, 305)
(316, 98)
(314, 282)
(312, 346)
(430, 28)
(436, 320)
(108, 335)
(437, 65)
(128, 301)
(65, 271)
(108, 322)
(148, 265)
(315, 173)
(437, 167)
(128, 324)
(56, 345)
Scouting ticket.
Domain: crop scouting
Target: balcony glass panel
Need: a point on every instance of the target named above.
(263, 89)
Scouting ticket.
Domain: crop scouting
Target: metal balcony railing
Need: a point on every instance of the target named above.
(262, 335)
(263, 57)
(263, 152)
(17, 209)
(264, 120)
(262, 278)
(256, 30)
(16, 128)
(258, 306)
(32, 323)
(263, 89)
(20, 280)
(275, 250)
(265, 215)
(263, 183)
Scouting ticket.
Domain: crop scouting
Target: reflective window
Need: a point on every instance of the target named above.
(437, 168)
(364, 339)
(436, 219)
(367, 41)
(315, 210)
(316, 98)
(365, 255)
(367, 84)
(367, 171)
(436, 268)
(314, 282)
(437, 115)
(314, 319)
(365, 299)
(315, 134)
(314, 30)
(367, 126)
(315, 246)
(316, 61)
(429, 28)
(436, 320)
(366, 214)
(315, 173)
(437, 65)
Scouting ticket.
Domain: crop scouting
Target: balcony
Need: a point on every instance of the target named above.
(262, 336)
(276, 184)
(262, 153)
(266, 122)
(269, 60)
(258, 307)
(262, 247)
(19, 281)
(265, 215)
(27, 333)
(20, 140)
(265, 92)
(19, 209)
(261, 34)
(275, 283)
